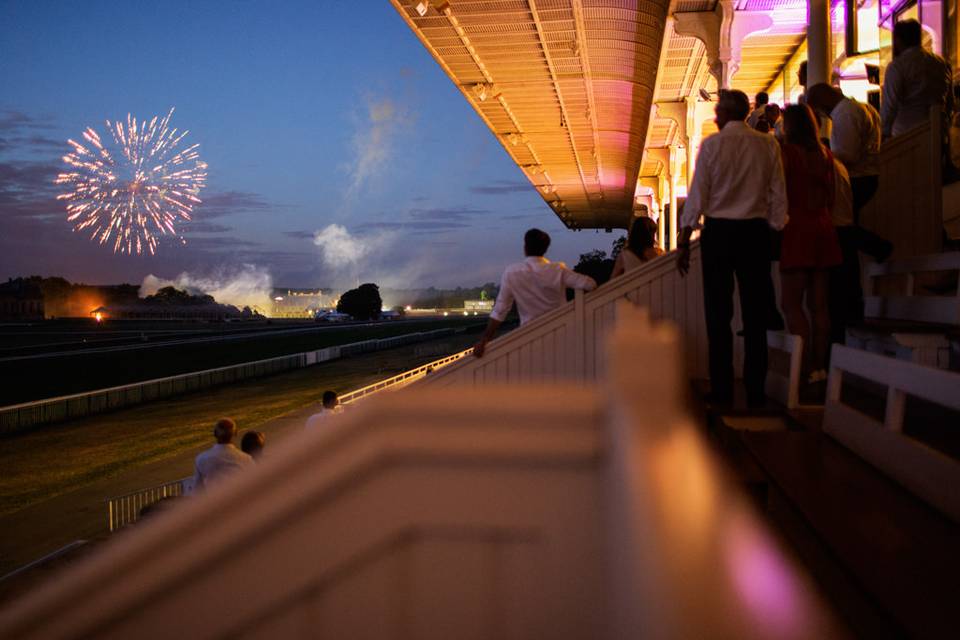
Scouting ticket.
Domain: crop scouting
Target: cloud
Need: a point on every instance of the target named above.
(502, 187)
(372, 142)
(248, 286)
(216, 205)
(205, 227)
(27, 189)
(454, 213)
(421, 225)
(341, 249)
(300, 234)
(12, 120)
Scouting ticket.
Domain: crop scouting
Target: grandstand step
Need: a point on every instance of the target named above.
(886, 558)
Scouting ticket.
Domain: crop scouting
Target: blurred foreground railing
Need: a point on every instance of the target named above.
(125, 509)
(563, 510)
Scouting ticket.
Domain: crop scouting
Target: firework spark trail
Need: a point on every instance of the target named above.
(137, 195)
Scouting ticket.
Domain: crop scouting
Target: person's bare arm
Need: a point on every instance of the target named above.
(492, 326)
(618, 268)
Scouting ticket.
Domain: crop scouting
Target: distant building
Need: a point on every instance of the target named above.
(297, 303)
(486, 306)
(20, 300)
(212, 312)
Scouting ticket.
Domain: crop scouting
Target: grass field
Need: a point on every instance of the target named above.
(26, 380)
(53, 460)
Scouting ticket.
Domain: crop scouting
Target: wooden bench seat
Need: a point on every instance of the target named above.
(888, 561)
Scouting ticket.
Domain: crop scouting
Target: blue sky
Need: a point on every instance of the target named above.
(309, 114)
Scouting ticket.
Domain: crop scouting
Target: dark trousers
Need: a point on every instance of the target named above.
(864, 188)
(846, 290)
(741, 249)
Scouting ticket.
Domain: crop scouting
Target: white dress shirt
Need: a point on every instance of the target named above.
(915, 81)
(739, 176)
(537, 286)
(219, 461)
(318, 419)
(855, 139)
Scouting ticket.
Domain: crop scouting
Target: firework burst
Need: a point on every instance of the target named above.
(136, 190)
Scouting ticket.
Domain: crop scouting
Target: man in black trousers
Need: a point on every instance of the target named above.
(738, 188)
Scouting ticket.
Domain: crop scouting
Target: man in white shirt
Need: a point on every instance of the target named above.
(536, 285)
(915, 81)
(222, 459)
(331, 406)
(738, 187)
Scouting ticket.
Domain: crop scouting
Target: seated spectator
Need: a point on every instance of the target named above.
(641, 246)
(252, 444)
(537, 285)
(809, 245)
(330, 406)
(222, 459)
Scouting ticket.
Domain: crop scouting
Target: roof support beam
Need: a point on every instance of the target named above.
(722, 32)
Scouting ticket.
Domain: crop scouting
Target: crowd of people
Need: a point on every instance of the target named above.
(789, 185)
(775, 184)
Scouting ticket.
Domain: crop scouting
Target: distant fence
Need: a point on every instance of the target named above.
(31, 414)
(125, 509)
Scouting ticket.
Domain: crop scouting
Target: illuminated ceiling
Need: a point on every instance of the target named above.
(565, 85)
(568, 86)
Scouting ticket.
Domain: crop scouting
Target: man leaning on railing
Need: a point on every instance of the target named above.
(536, 285)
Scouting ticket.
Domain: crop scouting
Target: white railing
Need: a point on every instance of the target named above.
(907, 305)
(570, 510)
(29, 414)
(929, 474)
(567, 344)
(401, 380)
(124, 510)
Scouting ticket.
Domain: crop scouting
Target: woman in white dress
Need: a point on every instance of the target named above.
(641, 247)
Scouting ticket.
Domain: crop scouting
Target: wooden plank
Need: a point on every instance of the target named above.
(925, 472)
(931, 309)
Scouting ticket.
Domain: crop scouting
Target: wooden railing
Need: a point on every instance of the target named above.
(908, 206)
(569, 510)
(928, 473)
(567, 344)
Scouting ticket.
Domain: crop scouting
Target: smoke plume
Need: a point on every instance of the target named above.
(250, 286)
(341, 250)
(372, 142)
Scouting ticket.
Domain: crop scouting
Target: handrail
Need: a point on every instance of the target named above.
(567, 342)
(405, 378)
(125, 509)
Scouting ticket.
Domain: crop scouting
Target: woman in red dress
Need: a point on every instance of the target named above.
(809, 246)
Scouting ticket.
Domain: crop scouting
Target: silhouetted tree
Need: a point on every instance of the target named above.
(362, 303)
(595, 264)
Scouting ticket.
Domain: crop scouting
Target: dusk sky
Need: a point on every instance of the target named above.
(309, 114)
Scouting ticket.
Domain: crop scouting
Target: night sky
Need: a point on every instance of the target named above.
(309, 114)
